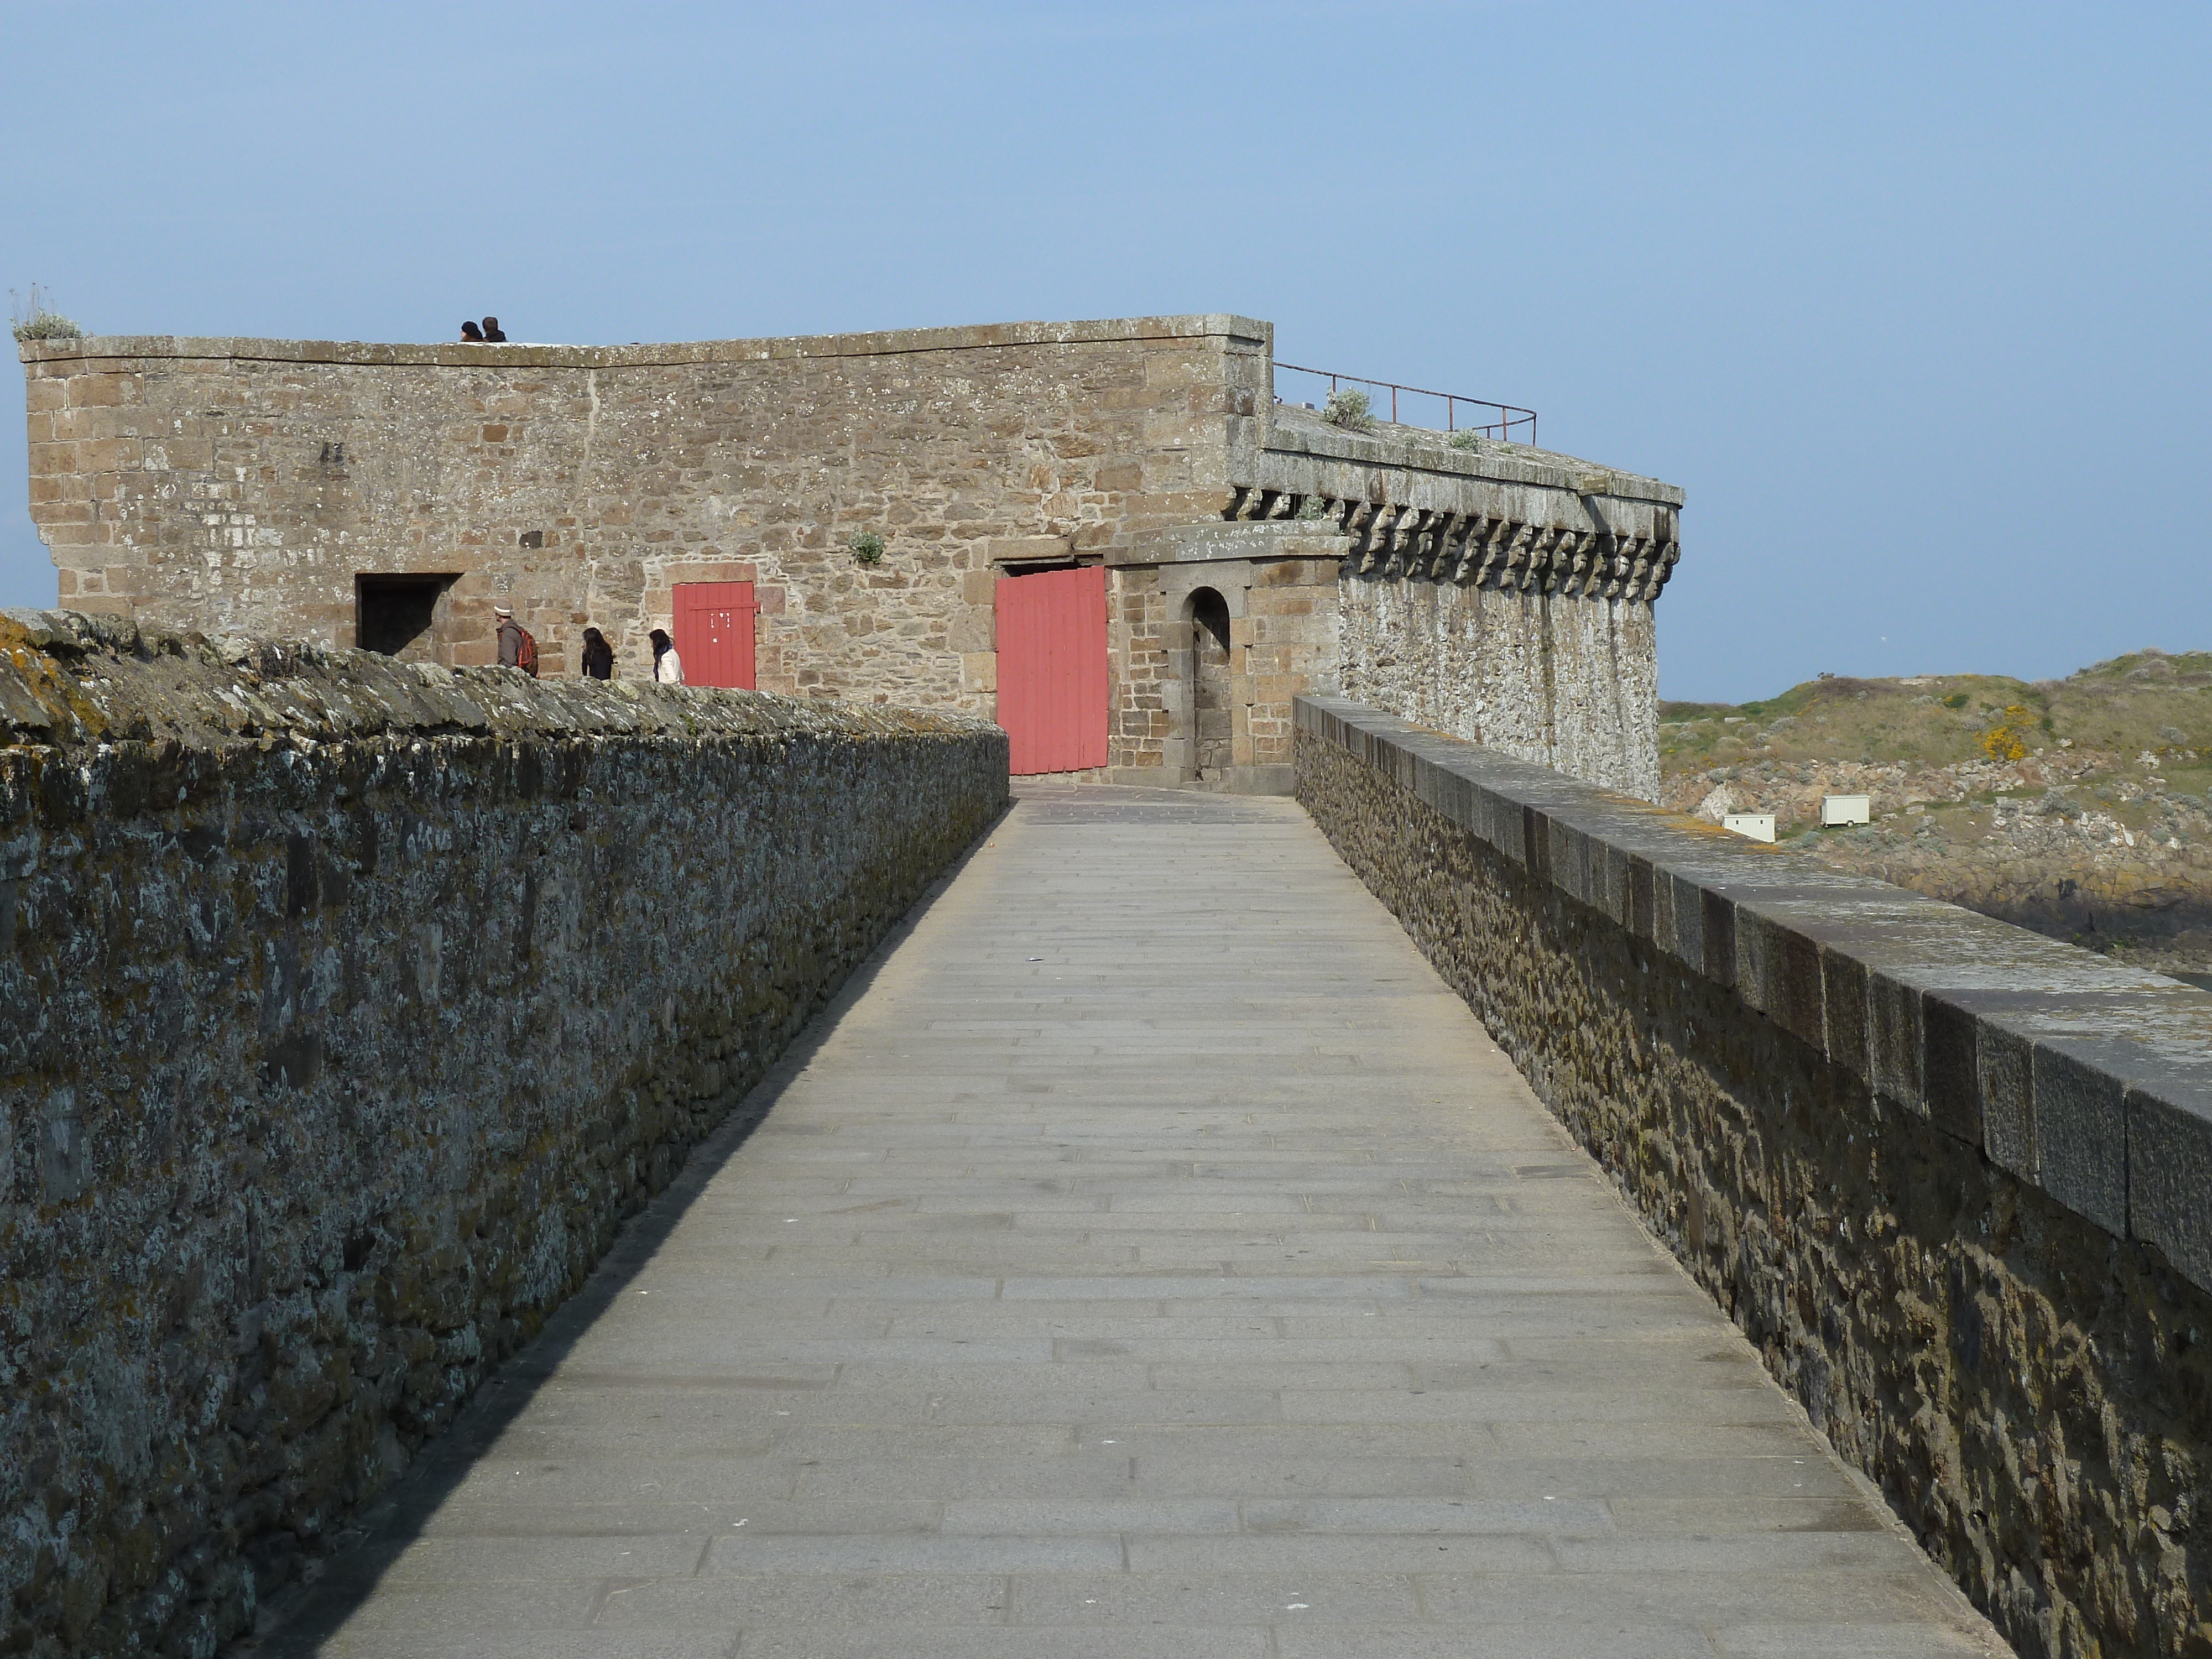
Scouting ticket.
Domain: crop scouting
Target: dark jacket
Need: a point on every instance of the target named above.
(598, 660)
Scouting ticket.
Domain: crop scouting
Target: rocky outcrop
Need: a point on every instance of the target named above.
(2092, 848)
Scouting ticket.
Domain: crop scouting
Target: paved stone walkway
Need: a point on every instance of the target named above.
(1153, 1258)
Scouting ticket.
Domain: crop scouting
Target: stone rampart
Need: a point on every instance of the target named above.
(353, 494)
(1501, 593)
(347, 1008)
(1950, 1177)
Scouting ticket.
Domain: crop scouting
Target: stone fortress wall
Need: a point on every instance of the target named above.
(347, 1008)
(1500, 591)
(1949, 1177)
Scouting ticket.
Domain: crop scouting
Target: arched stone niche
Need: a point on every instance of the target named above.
(1207, 605)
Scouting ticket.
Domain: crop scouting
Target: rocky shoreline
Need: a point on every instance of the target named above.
(2107, 846)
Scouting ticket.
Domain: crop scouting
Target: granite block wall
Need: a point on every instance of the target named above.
(1569, 681)
(244, 484)
(1950, 1177)
(347, 1008)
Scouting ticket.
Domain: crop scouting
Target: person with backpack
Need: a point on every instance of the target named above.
(517, 649)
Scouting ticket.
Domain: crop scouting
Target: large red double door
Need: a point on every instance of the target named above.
(714, 633)
(1052, 670)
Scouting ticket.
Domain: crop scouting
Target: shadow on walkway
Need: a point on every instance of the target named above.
(302, 1617)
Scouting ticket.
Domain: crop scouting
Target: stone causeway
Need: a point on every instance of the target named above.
(1147, 1253)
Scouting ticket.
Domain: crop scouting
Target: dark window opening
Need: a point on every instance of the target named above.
(394, 615)
(1039, 567)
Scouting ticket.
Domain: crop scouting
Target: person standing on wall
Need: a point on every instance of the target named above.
(667, 666)
(598, 656)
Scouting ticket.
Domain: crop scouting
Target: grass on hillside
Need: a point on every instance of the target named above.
(2144, 701)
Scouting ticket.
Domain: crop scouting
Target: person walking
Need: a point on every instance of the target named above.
(667, 666)
(598, 656)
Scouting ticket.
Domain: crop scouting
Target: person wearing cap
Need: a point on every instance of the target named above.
(510, 637)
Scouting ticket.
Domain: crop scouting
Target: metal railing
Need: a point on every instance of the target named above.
(1510, 416)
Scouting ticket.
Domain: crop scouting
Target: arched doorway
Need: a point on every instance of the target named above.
(1211, 736)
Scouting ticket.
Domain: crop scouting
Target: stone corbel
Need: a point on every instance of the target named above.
(1490, 564)
(1445, 530)
(1474, 534)
(1550, 565)
(1632, 559)
(1359, 524)
(1399, 540)
(1542, 572)
(1515, 572)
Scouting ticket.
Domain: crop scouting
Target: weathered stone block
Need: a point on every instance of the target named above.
(2080, 1135)
(2169, 1171)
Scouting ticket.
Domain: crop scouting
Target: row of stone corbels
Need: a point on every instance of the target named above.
(1476, 549)
(2090, 1081)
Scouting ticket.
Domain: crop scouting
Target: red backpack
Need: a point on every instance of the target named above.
(526, 654)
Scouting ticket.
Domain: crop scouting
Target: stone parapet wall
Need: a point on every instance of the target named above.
(347, 1008)
(1950, 1177)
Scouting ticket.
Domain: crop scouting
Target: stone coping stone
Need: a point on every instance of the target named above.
(115, 352)
(69, 679)
(1417, 452)
(2087, 1079)
(1212, 539)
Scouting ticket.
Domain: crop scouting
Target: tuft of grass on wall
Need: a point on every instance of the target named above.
(1348, 408)
(34, 318)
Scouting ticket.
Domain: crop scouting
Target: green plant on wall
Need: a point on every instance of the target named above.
(35, 319)
(1465, 441)
(1348, 409)
(867, 547)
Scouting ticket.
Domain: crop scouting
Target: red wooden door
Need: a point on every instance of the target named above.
(714, 633)
(1051, 669)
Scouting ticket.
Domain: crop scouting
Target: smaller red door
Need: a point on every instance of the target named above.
(714, 633)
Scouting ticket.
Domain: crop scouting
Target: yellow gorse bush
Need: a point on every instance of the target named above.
(2005, 741)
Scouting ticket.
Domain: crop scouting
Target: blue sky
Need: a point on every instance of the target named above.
(1911, 300)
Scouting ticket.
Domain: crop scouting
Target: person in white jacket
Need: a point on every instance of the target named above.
(667, 666)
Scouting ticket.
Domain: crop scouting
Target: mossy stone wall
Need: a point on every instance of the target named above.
(347, 1009)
